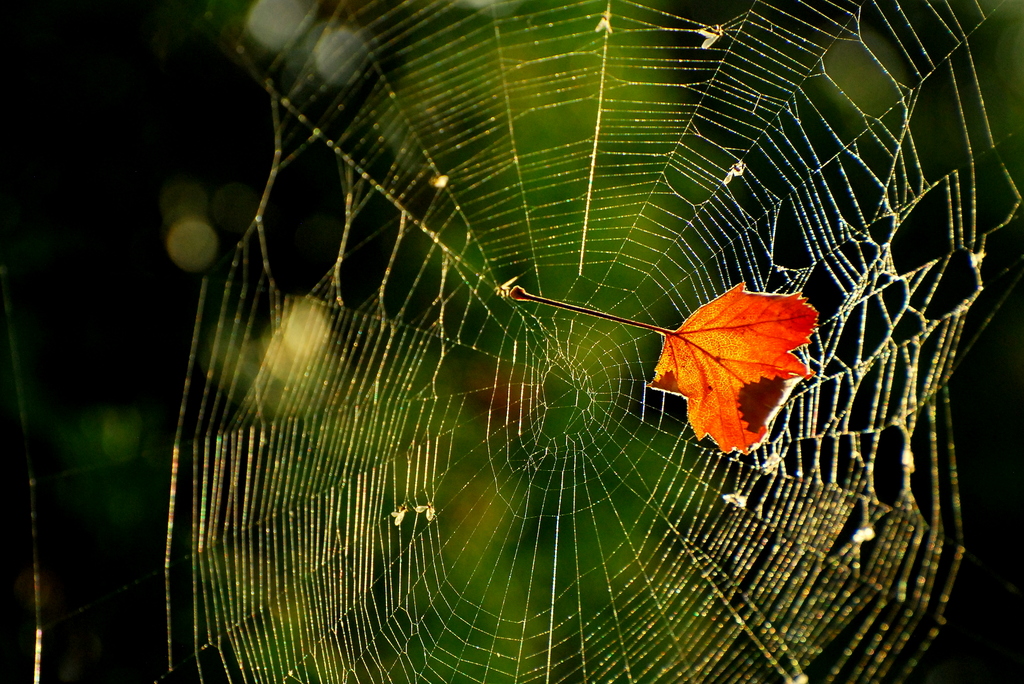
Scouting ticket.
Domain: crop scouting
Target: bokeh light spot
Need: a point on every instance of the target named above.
(338, 54)
(304, 331)
(499, 7)
(234, 207)
(272, 23)
(192, 244)
(182, 197)
(121, 433)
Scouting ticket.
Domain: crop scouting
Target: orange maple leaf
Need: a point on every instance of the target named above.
(732, 360)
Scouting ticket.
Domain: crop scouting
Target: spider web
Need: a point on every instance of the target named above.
(398, 474)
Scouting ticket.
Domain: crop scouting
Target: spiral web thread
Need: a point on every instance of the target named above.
(404, 476)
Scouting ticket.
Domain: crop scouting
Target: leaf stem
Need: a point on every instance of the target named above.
(519, 294)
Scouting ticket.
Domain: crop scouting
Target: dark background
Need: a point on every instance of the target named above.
(107, 102)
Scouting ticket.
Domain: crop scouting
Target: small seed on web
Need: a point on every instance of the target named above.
(735, 170)
(711, 35)
(738, 500)
(399, 515)
(428, 509)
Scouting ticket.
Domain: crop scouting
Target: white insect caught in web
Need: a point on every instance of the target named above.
(403, 475)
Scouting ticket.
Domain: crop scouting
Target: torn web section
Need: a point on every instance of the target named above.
(405, 476)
